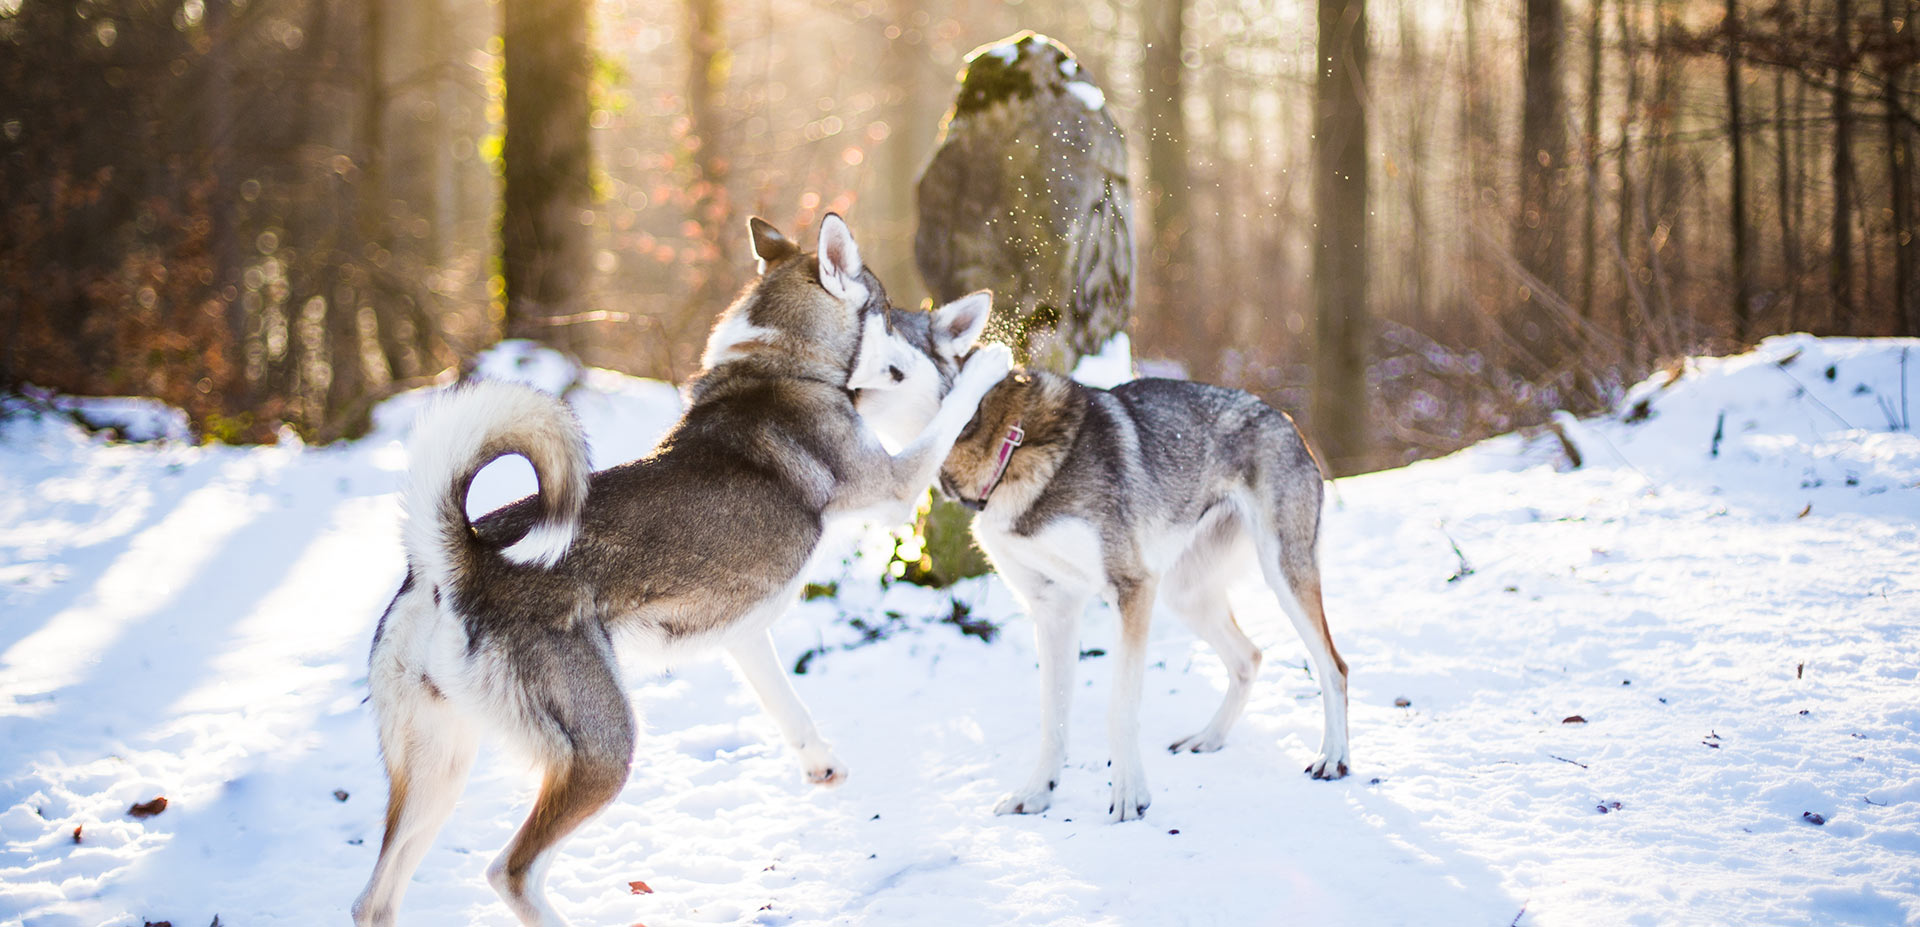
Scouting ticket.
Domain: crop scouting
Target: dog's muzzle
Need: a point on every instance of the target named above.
(948, 489)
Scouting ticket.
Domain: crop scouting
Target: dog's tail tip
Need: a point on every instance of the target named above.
(465, 429)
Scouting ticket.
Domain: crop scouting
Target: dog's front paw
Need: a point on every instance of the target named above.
(1130, 798)
(1328, 767)
(988, 366)
(821, 767)
(1026, 801)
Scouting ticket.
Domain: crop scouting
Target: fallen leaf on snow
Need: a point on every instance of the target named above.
(76, 832)
(1401, 702)
(1803, 512)
(1573, 719)
(639, 888)
(1813, 817)
(147, 809)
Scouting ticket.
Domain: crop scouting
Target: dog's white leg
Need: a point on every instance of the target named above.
(1130, 793)
(429, 749)
(760, 664)
(1294, 575)
(1056, 622)
(1201, 600)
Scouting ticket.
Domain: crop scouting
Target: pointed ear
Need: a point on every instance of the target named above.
(768, 244)
(840, 260)
(958, 324)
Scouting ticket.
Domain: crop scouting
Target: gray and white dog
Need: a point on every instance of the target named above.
(510, 623)
(1156, 488)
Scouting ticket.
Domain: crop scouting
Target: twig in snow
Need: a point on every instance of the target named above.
(1565, 760)
(1900, 422)
(1516, 918)
(1719, 431)
(1466, 569)
(1810, 398)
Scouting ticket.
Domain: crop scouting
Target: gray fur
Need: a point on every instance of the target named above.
(1150, 491)
(699, 544)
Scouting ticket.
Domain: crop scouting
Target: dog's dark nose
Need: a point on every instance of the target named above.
(973, 505)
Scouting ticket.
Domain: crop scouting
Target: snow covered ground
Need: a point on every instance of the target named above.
(1740, 632)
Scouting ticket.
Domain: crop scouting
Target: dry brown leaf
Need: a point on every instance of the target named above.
(147, 809)
(639, 888)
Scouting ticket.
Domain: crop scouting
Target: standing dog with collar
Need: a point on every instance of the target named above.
(1152, 490)
(509, 623)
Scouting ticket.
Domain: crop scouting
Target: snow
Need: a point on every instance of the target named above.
(1089, 96)
(1736, 630)
(1109, 368)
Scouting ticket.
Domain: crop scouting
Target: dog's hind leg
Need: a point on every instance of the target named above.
(1292, 568)
(759, 662)
(1198, 593)
(1130, 793)
(429, 748)
(1056, 613)
(582, 727)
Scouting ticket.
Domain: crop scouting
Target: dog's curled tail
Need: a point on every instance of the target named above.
(468, 427)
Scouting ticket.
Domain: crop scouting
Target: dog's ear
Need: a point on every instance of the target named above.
(958, 324)
(768, 244)
(840, 261)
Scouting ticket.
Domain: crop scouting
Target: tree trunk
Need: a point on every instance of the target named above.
(1787, 179)
(707, 64)
(1420, 105)
(1627, 230)
(1164, 320)
(1538, 239)
(1737, 197)
(1589, 263)
(546, 157)
(1906, 238)
(1340, 249)
(1840, 316)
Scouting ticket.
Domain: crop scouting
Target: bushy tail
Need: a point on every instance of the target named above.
(463, 430)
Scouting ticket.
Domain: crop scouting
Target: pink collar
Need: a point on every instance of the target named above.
(1015, 435)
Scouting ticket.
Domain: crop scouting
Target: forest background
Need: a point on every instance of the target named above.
(274, 213)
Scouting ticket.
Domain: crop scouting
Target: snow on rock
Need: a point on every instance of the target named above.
(1109, 368)
(1736, 628)
(1091, 97)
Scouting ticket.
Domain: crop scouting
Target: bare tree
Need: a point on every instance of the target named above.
(1538, 237)
(1840, 254)
(1897, 17)
(546, 158)
(1340, 249)
(1169, 191)
(711, 207)
(1590, 234)
(1737, 197)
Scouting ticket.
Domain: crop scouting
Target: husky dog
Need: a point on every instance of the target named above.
(510, 623)
(1154, 488)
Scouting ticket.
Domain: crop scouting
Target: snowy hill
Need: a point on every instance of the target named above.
(1733, 618)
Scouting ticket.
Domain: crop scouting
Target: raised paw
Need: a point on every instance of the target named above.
(1326, 767)
(988, 366)
(1203, 742)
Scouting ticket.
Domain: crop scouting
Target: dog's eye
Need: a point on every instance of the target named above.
(895, 373)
